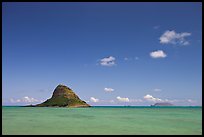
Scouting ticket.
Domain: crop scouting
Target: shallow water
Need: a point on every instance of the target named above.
(102, 120)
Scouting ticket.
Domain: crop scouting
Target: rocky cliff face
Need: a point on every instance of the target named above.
(63, 96)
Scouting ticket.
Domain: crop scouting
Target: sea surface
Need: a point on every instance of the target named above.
(100, 120)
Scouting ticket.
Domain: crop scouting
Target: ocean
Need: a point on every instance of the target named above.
(102, 120)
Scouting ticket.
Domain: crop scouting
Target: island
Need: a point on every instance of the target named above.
(162, 104)
(63, 96)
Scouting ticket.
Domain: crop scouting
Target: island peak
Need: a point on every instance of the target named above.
(63, 96)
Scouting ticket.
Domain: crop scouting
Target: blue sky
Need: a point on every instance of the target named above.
(108, 53)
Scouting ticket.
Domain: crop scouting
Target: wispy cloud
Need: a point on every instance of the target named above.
(92, 99)
(158, 54)
(25, 99)
(123, 99)
(131, 58)
(157, 89)
(108, 89)
(171, 37)
(108, 61)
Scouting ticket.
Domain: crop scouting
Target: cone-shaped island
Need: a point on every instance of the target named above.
(63, 97)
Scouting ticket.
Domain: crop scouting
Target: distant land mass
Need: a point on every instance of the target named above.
(63, 96)
(162, 104)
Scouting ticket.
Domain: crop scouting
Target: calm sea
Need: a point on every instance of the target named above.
(125, 120)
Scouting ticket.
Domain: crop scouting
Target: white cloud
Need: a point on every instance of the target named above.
(158, 54)
(152, 99)
(25, 99)
(92, 99)
(171, 37)
(108, 89)
(123, 99)
(109, 61)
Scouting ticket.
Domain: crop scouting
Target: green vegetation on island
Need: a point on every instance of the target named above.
(63, 96)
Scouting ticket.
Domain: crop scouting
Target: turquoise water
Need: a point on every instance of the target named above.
(102, 120)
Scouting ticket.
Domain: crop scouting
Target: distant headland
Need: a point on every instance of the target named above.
(162, 104)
